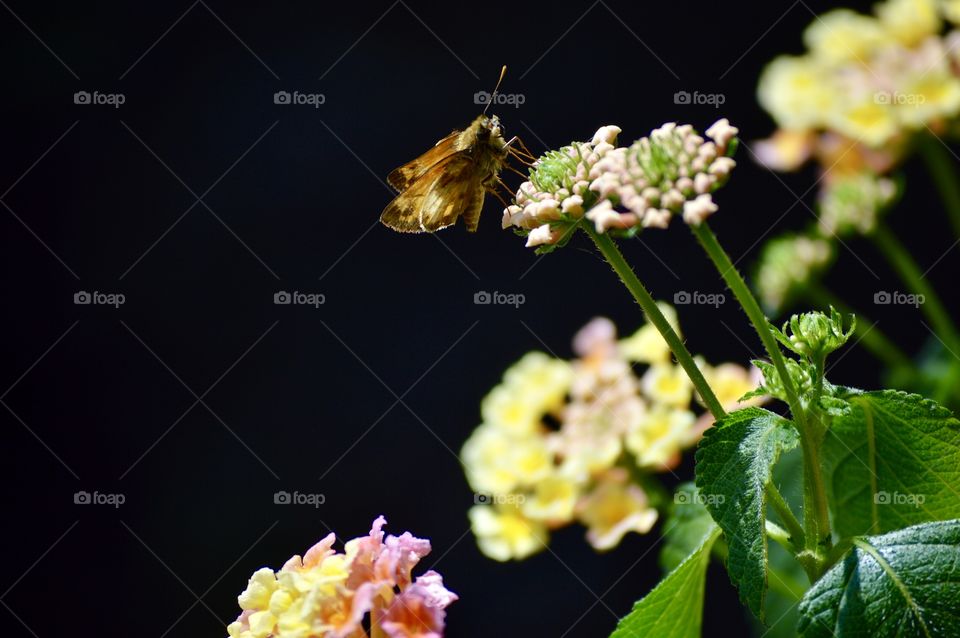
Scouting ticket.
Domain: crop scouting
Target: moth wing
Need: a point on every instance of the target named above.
(457, 191)
(435, 200)
(401, 178)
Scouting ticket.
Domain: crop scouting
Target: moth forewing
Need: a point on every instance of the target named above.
(448, 181)
(402, 177)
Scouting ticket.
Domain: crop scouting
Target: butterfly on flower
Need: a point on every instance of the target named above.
(451, 179)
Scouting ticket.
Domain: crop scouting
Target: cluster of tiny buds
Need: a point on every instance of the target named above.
(672, 171)
(558, 186)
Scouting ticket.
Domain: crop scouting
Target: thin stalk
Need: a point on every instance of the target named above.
(932, 307)
(780, 506)
(816, 518)
(608, 248)
(870, 335)
(938, 160)
(780, 535)
(750, 306)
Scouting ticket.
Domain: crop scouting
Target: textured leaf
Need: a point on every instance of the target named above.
(734, 463)
(905, 583)
(892, 460)
(674, 608)
(688, 524)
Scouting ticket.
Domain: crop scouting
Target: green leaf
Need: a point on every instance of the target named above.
(892, 460)
(734, 462)
(674, 608)
(688, 524)
(906, 583)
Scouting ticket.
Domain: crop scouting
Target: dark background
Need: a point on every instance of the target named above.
(368, 398)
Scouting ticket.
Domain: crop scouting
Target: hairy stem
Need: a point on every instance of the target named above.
(780, 506)
(816, 516)
(608, 248)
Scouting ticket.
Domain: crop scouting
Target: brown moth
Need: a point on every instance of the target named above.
(450, 180)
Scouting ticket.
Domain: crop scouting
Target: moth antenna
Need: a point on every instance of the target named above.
(503, 72)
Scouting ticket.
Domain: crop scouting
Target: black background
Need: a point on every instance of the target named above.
(376, 390)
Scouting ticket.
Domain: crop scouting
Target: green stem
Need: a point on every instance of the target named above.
(750, 306)
(816, 516)
(931, 306)
(780, 506)
(938, 160)
(870, 335)
(608, 248)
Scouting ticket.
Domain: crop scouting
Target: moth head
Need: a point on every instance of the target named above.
(490, 127)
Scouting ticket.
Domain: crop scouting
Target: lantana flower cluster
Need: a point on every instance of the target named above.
(672, 171)
(574, 441)
(873, 79)
(326, 594)
(867, 89)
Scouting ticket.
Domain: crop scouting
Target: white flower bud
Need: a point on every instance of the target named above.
(721, 132)
(697, 210)
(656, 218)
(540, 235)
(606, 134)
(604, 217)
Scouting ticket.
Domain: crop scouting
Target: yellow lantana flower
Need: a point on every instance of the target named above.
(553, 500)
(729, 382)
(613, 509)
(843, 35)
(541, 380)
(870, 120)
(932, 95)
(797, 92)
(503, 533)
(646, 345)
(668, 384)
(909, 21)
(658, 440)
(486, 458)
(512, 411)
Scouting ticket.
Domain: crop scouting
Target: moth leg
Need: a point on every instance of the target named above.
(520, 152)
(523, 175)
(525, 161)
(496, 192)
(491, 183)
